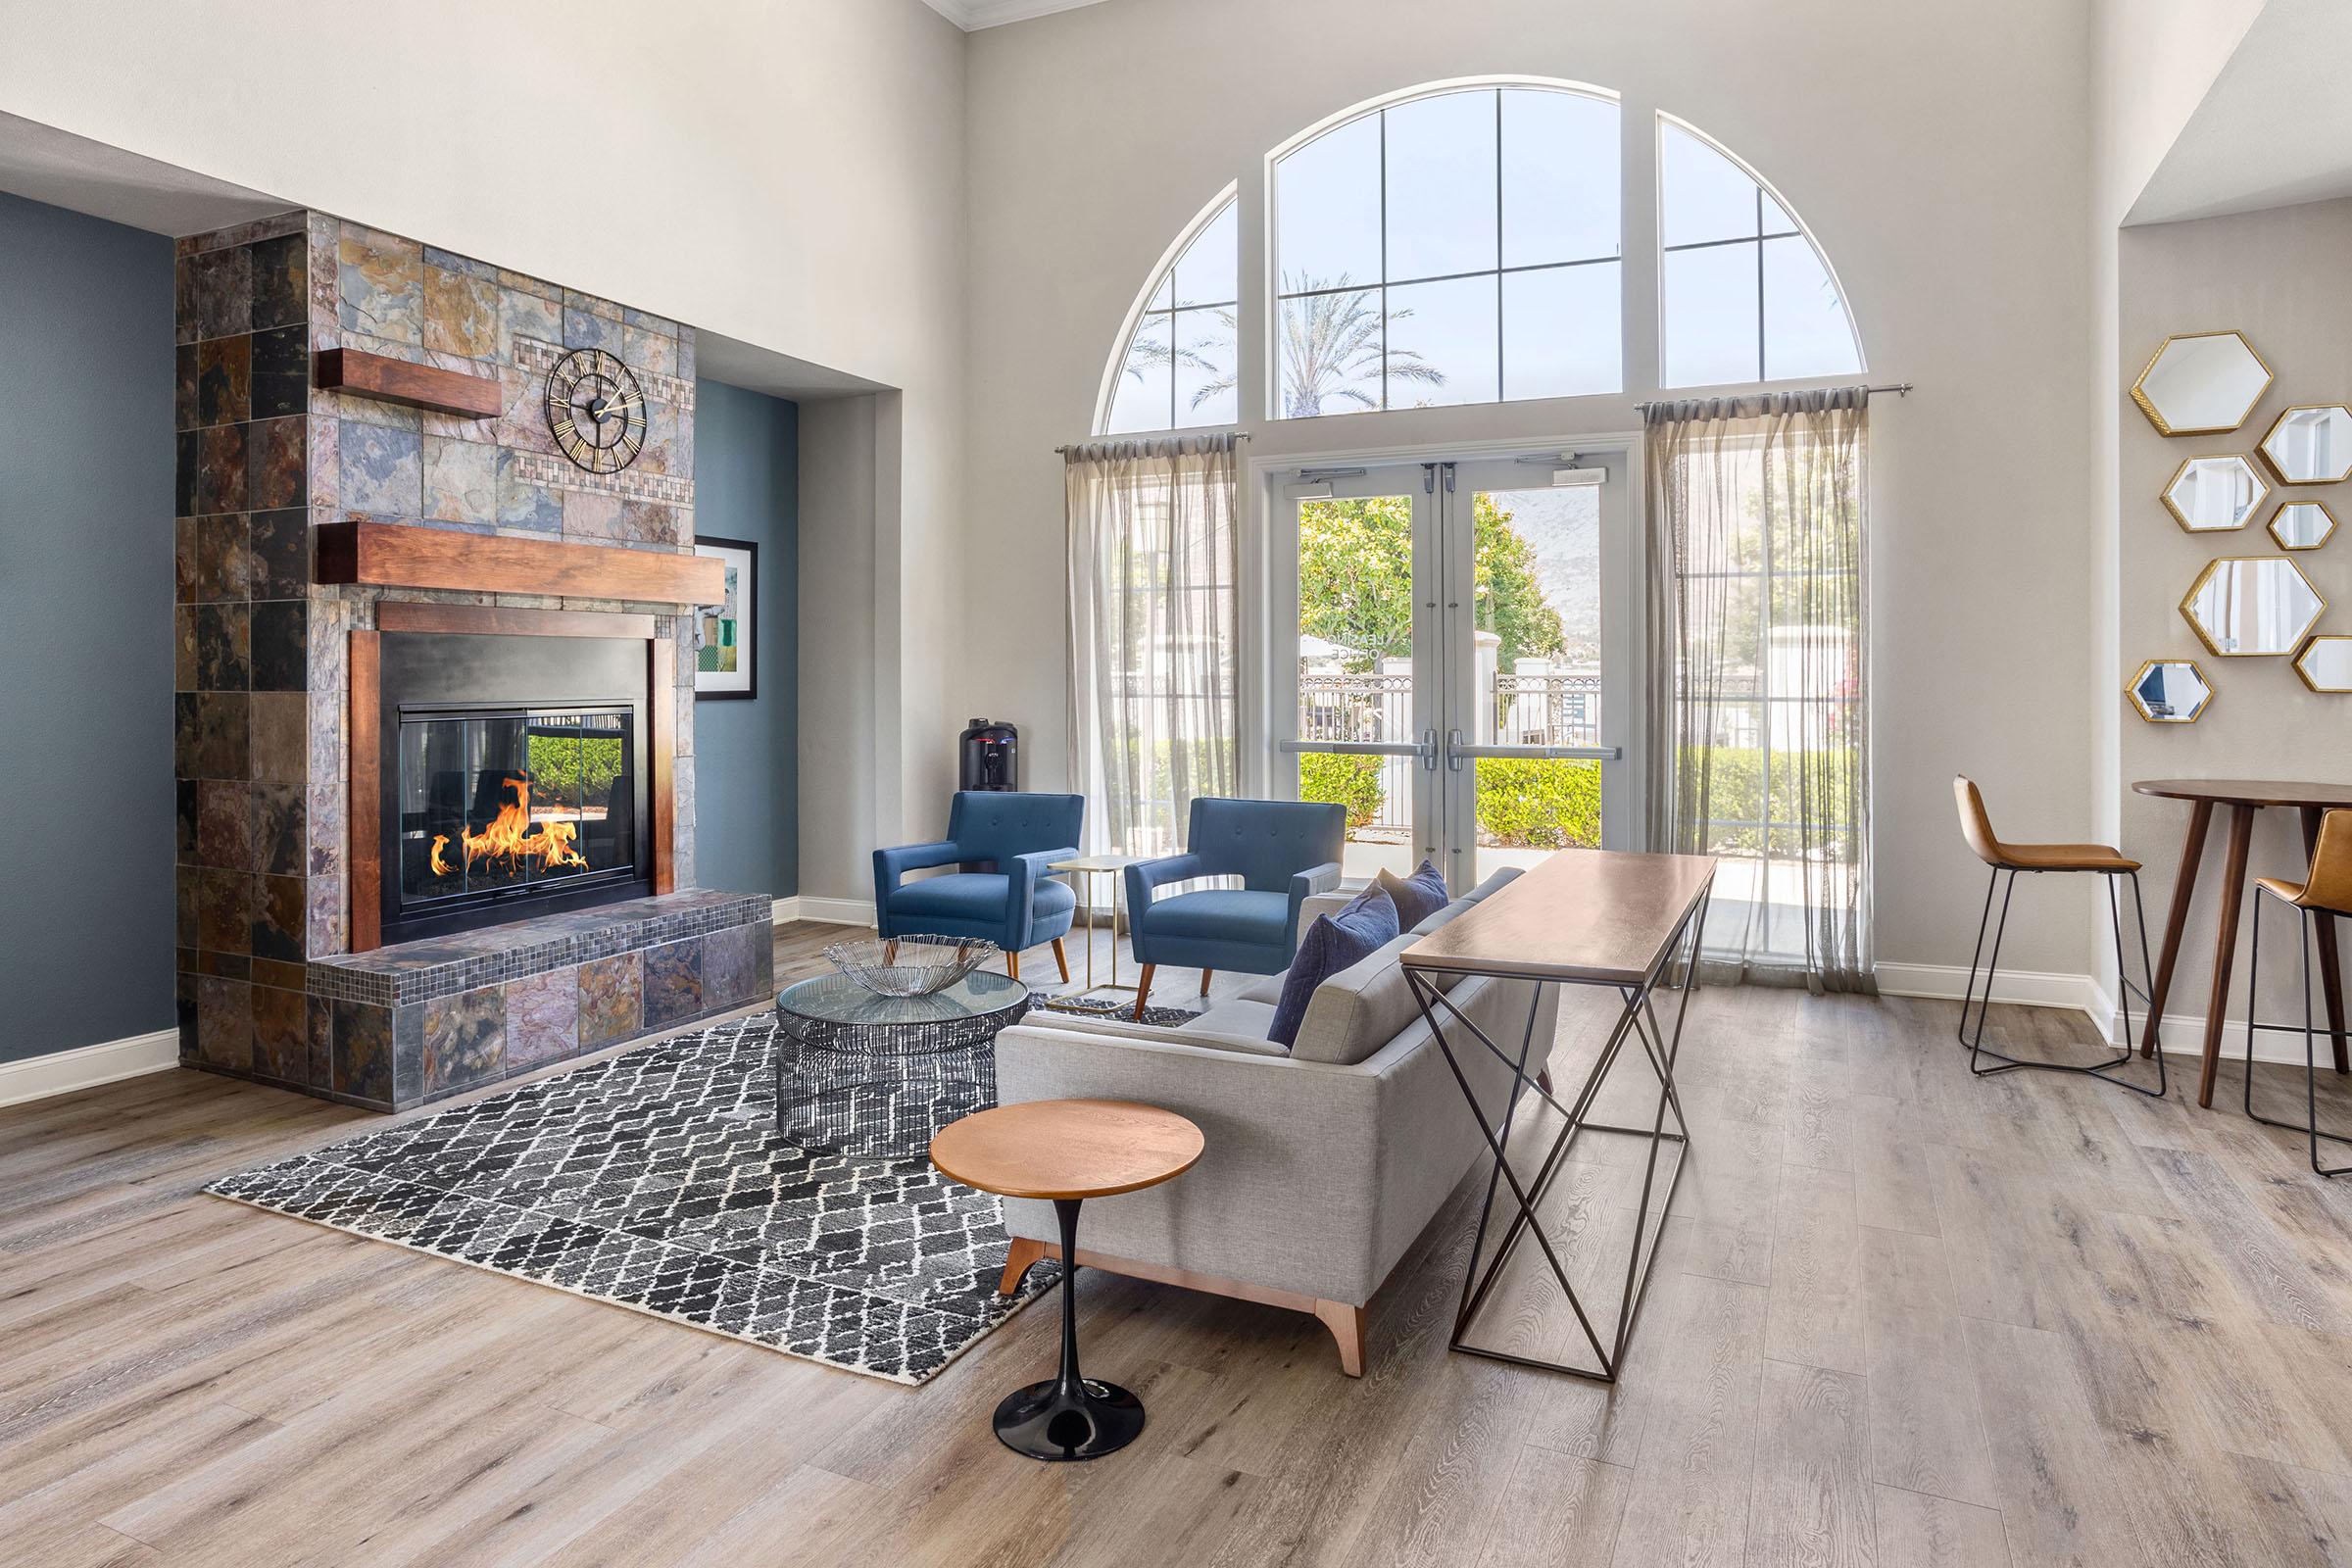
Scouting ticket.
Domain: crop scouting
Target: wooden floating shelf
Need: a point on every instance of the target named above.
(392, 555)
(419, 386)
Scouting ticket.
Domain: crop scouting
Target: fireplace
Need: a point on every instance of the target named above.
(515, 778)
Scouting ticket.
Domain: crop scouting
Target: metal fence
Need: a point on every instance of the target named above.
(1531, 705)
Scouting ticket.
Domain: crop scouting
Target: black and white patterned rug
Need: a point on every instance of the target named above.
(657, 1180)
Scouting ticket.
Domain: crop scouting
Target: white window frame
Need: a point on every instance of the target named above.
(1658, 252)
(1108, 393)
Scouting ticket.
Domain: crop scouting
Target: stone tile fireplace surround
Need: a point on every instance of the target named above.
(265, 706)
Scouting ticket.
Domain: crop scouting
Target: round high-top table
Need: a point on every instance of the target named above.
(1067, 1151)
(2243, 796)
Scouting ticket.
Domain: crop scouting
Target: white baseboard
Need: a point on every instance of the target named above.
(60, 1072)
(2025, 988)
(826, 911)
(2184, 1032)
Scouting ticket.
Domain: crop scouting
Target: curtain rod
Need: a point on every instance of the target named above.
(1898, 388)
(1064, 452)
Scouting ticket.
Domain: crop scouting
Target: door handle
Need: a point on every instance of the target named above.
(1455, 743)
(1427, 751)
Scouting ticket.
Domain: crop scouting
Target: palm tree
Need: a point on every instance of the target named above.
(1212, 353)
(1332, 339)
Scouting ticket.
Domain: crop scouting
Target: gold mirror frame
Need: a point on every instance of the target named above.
(2303, 670)
(2279, 423)
(2293, 642)
(2285, 507)
(2131, 693)
(2147, 404)
(2262, 491)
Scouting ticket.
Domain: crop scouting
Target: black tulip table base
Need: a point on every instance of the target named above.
(1068, 1416)
(1046, 1421)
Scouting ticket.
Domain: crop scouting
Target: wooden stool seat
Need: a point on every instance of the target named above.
(2064, 858)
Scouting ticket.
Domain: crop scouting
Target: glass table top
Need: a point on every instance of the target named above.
(838, 998)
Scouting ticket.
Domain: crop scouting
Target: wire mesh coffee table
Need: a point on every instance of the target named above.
(876, 1077)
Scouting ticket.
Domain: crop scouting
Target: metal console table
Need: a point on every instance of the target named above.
(1593, 917)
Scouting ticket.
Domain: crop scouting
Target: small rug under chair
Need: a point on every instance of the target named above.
(657, 1180)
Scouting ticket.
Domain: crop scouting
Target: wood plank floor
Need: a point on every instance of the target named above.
(1901, 1317)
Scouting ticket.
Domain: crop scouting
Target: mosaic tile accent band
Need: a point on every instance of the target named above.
(417, 971)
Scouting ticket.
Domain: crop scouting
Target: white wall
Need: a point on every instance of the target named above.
(1940, 153)
(786, 173)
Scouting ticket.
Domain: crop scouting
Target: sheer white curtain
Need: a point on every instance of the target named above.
(1759, 659)
(1154, 721)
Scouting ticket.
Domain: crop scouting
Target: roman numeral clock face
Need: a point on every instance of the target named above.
(596, 411)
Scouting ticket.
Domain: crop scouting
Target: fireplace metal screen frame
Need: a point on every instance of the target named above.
(409, 918)
(657, 813)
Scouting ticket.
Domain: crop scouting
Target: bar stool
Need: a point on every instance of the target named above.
(2096, 858)
(2326, 888)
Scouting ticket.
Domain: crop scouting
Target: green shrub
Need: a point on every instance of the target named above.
(1736, 795)
(1537, 804)
(1339, 778)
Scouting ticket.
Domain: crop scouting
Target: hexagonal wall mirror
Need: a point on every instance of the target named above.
(2302, 525)
(2213, 495)
(2326, 663)
(2252, 606)
(2170, 691)
(2311, 444)
(2201, 383)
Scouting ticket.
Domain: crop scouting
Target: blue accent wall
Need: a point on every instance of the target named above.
(85, 630)
(747, 754)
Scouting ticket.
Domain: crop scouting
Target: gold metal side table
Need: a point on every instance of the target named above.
(1091, 866)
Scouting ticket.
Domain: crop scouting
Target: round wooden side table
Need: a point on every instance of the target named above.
(1067, 1151)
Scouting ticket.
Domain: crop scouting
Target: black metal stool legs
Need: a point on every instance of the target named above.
(2310, 1125)
(1979, 1053)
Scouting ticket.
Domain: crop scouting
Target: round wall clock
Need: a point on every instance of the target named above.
(596, 411)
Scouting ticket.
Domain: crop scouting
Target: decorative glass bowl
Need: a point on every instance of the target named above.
(909, 967)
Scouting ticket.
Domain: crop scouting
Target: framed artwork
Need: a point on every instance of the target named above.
(726, 660)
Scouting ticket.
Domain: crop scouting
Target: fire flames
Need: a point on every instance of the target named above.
(509, 838)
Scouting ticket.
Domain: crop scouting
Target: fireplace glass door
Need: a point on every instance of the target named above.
(497, 803)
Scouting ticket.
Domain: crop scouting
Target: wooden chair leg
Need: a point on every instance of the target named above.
(1012, 963)
(1205, 974)
(1064, 959)
(1347, 1325)
(1143, 991)
(1018, 1258)
(889, 951)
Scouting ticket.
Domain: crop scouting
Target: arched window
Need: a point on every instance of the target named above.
(1462, 243)
(1461, 246)
(1179, 366)
(1744, 294)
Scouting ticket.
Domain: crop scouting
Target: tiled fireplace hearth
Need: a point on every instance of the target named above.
(287, 607)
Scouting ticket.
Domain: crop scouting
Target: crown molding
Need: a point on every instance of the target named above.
(973, 15)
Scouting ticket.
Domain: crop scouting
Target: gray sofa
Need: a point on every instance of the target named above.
(1324, 1163)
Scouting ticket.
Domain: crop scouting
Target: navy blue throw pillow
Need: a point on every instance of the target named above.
(1331, 944)
(1417, 897)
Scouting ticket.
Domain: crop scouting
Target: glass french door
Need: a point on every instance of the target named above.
(1460, 674)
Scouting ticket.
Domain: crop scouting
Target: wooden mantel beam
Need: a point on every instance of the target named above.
(393, 555)
(419, 386)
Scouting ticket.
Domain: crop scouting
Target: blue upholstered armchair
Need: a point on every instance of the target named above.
(1281, 850)
(1013, 903)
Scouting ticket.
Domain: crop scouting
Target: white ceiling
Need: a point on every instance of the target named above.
(2275, 128)
(973, 15)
